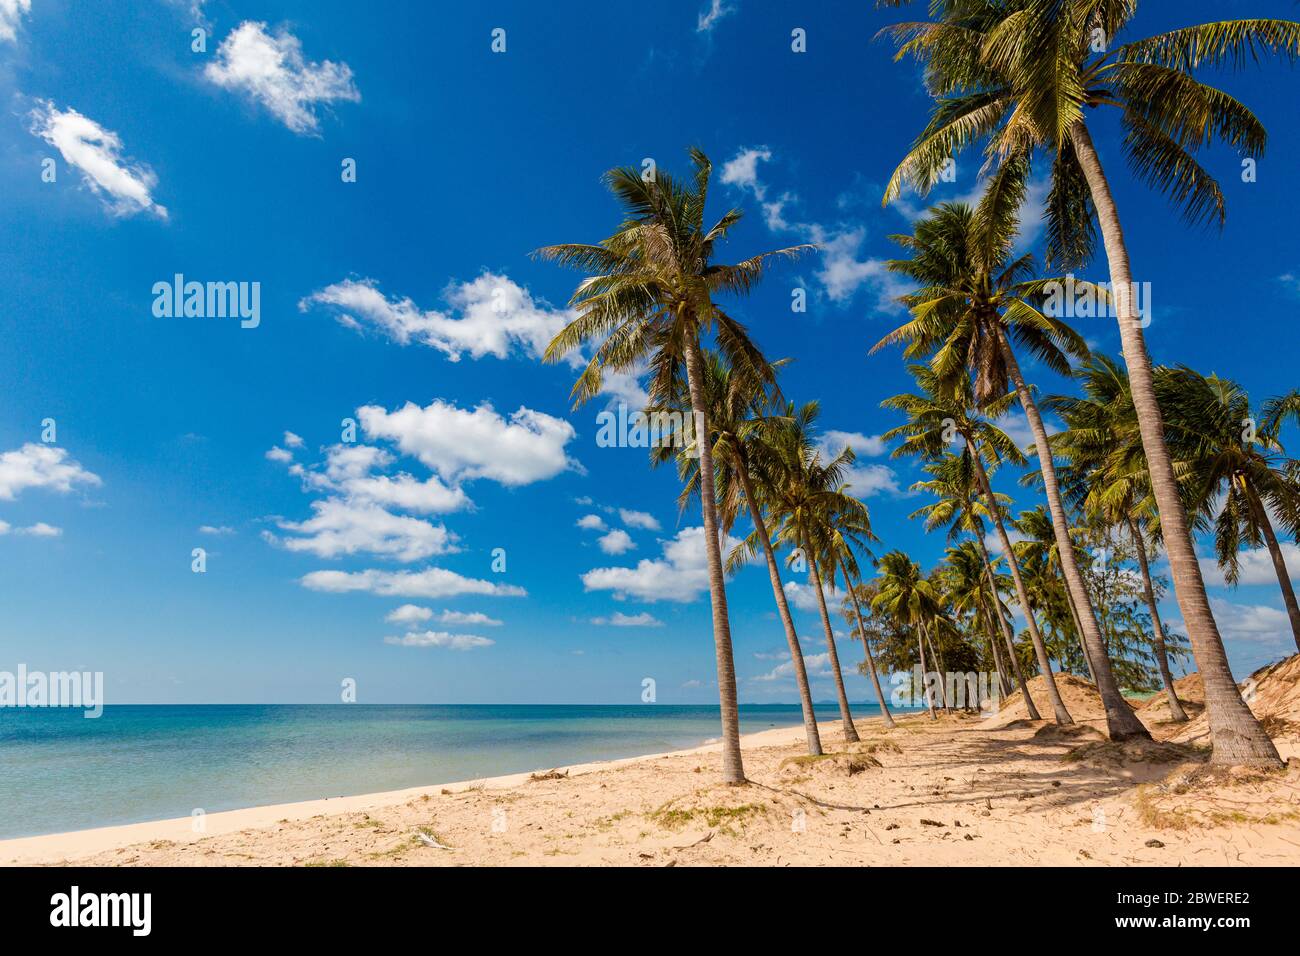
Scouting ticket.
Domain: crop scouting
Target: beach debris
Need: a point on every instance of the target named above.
(1155, 844)
(429, 839)
(549, 775)
(930, 823)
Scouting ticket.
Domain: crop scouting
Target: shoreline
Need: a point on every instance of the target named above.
(53, 847)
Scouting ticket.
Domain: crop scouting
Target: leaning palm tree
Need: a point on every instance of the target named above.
(906, 595)
(852, 611)
(964, 577)
(1234, 469)
(1040, 546)
(1109, 478)
(649, 296)
(959, 506)
(941, 411)
(805, 499)
(739, 422)
(1020, 74)
(975, 308)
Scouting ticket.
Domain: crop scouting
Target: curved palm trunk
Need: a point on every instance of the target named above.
(733, 769)
(1007, 636)
(850, 732)
(1003, 686)
(1176, 711)
(1121, 721)
(942, 672)
(1235, 734)
(1078, 630)
(871, 662)
(1279, 563)
(1022, 593)
(920, 646)
(783, 610)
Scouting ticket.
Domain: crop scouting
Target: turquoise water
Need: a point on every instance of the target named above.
(60, 771)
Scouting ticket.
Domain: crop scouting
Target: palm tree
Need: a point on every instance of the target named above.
(1110, 477)
(966, 582)
(738, 421)
(937, 414)
(1232, 467)
(959, 507)
(649, 296)
(853, 606)
(804, 498)
(908, 596)
(1020, 74)
(1040, 546)
(973, 302)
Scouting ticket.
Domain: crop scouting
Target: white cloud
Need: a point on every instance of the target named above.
(429, 583)
(715, 11)
(1256, 566)
(460, 445)
(817, 666)
(468, 617)
(38, 530)
(993, 542)
(619, 619)
(456, 642)
(216, 530)
(408, 493)
(617, 541)
(804, 597)
(490, 315)
(276, 453)
(11, 14)
(292, 441)
(40, 466)
(591, 523)
(843, 273)
(408, 614)
(638, 519)
(1256, 623)
(680, 575)
(741, 170)
(342, 526)
(126, 187)
(864, 480)
(272, 71)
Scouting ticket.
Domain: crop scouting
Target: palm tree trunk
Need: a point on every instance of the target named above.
(871, 661)
(1176, 711)
(733, 769)
(1007, 636)
(1004, 688)
(1022, 593)
(1078, 630)
(920, 646)
(942, 672)
(1235, 734)
(1121, 721)
(783, 610)
(850, 732)
(1279, 563)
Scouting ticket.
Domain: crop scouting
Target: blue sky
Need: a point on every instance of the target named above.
(407, 301)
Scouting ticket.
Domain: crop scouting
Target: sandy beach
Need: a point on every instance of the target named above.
(962, 790)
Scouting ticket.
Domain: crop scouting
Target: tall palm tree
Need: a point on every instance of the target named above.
(965, 578)
(649, 296)
(1110, 478)
(737, 410)
(1040, 545)
(853, 607)
(939, 412)
(960, 508)
(1234, 469)
(910, 598)
(1020, 75)
(973, 302)
(805, 499)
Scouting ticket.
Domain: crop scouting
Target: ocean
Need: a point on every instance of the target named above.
(60, 771)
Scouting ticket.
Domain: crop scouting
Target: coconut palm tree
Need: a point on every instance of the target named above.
(940, 412)
(966, 580)
(1109, 477)
(1040, 546)
(910, 598)
(1234, 470)
(649, 296)
(974, 309)
(737, 410)
(960, 508)
(852, 612)
(1019, 75)
(805, 499)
